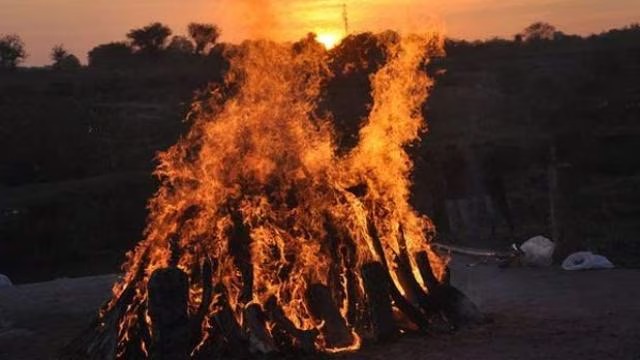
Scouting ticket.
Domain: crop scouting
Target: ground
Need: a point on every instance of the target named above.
(536, 314)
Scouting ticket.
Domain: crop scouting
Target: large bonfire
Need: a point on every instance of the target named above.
(263, 238)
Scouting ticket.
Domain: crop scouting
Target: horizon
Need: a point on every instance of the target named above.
(81, 26)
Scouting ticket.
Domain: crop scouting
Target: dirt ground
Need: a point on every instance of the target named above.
(537, 314)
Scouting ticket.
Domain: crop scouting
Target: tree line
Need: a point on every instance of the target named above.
(149, 40)
(156, 38)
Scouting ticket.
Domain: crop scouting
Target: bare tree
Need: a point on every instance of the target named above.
(151, 38)
(12, 51)
(203, 35)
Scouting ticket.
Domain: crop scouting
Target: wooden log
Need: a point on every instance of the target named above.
(337, 267)
(100, 340)
(424, 266)
(377, 244)
(335, 331)
(409, 284)
(239, 246)
(196, 322)
(144, 332)
(225, 322)
(168, 292)
(255, 329)
(357, 316)
(343, 280)
(411, 310)
(376, 287)
(457, 307)
(285, 330)
(408, 309)
(451, 302)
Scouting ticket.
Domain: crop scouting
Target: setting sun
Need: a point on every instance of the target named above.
(329, 40)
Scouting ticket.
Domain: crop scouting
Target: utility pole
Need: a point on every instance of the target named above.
(345, 18)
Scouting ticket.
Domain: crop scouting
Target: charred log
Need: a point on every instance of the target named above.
(357, 316)
(255, 328)
(239, 245)
(410, 285)
(100, 340)
(424, 266)
(196, 322)
(412, 312)
(321, 305)
(404, 305)
(334, 242)
(143, 327)
(226, 324)
(97, 343)
(168, 297)
(286, 335)
(446, 299)
(376, 287)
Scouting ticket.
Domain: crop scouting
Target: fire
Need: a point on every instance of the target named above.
(257, 189)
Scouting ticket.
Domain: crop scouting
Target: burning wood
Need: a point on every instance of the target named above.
(263, 239)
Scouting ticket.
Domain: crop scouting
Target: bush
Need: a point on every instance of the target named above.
(110, 55)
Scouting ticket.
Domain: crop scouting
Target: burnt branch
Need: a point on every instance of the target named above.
(301, 339)
(168, 301)
(335, 331)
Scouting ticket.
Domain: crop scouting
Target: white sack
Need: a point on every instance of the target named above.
(585, 260)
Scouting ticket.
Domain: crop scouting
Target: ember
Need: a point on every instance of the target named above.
(262, 239)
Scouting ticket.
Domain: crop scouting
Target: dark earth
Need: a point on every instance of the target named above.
(536, 313)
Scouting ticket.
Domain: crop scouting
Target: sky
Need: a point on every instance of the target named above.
(82, 24)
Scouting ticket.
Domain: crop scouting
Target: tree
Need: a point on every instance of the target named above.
(63, 60)
(12, 51)
(538, 31)
(110, 55)
(203, 35)
(149, 39)
(181, 45)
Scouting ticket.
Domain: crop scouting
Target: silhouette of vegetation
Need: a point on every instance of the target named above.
(203, 35)
(150, 39)
(113, 54)
(180, 45)
(12, 51)
(538, 31)
(63, 60)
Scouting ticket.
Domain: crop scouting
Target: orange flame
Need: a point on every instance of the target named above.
(259, 158)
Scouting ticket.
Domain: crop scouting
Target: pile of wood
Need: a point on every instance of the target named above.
(378, 311)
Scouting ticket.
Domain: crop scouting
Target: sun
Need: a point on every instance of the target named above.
(328, 39)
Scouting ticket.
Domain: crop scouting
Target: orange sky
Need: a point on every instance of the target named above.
(82, 24)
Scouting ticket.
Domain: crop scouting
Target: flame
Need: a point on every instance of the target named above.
(258, 181)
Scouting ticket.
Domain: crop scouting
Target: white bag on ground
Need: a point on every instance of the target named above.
(538, 251)
(5, 281)
(584, 260)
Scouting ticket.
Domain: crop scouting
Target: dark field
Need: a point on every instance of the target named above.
(536, 314)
